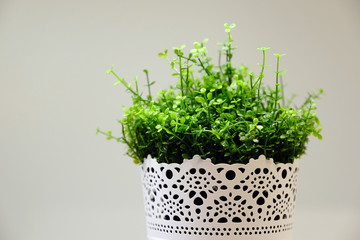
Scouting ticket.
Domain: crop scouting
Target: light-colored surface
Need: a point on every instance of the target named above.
(60, 181)
(188, 201)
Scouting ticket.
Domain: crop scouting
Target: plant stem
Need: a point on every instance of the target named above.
(261, 75)
(277, 81)
(228, 59)
(282, 91)
(148, 84)
(181, 77)
(132, 149)
(127, 86)
(202, 65)
(219, 64)
(136, 86)
(187, 76)
(251, 82)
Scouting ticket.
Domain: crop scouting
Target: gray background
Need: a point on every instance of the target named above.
(58, 180)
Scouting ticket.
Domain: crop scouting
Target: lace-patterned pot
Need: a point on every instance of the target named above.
(198, 200)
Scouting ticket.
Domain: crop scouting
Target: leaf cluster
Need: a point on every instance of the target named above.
(221, 111)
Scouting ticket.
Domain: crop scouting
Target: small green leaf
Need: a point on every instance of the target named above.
(259, 127)
(199, 99)
(164, 54)
(279, 55)
(263, 48)
(110, 70)
(203, 50)
(182, 120)
(264, 65)
(215, 132)
(185, 156)
(197, 45)
(173, 115)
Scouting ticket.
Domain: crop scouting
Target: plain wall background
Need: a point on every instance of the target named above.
(58, 180)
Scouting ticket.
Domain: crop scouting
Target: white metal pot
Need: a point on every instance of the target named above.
(198, 200)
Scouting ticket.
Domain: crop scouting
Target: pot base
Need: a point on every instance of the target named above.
(199, 200)
(227, 232)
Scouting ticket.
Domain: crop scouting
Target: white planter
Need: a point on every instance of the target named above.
(199, 200)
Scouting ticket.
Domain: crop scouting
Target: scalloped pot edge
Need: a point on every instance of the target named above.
(198, 160)
(198, 200)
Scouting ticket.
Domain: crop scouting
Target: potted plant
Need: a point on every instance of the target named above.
(218, 151)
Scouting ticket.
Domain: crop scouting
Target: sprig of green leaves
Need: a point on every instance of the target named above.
(224, 113)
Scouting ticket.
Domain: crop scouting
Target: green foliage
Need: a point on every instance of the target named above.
(220, 112)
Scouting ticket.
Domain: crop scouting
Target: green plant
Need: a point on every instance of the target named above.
(220, 112)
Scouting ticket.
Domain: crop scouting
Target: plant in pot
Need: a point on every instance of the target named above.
(218, 151)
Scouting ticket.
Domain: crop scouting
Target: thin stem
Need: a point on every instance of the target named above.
(228, 67)
(187, 76)
(136, 86)
(219, 64)
(251, 82)
(148, 84)
(127, 86)
(261, 76)
(189, 59)
(228, 58)
(282, 91)
(181, 78)
(277, 81)
(202, 65)
(127, 142)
